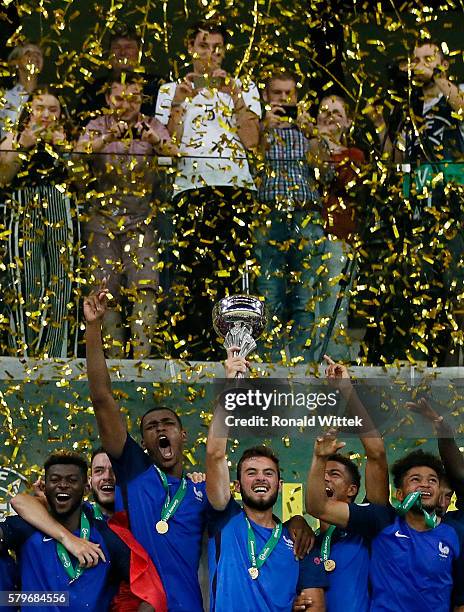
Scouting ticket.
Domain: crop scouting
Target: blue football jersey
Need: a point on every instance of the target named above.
(280, 578)
(410, 570)
(176, 554)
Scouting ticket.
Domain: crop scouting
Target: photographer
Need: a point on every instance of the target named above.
(214, 118)
(290, 235)
(438, 105)
(119, 232)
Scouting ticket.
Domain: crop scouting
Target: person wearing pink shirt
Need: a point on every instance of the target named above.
(122, 146)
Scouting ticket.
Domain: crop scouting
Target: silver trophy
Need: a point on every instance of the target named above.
(240, 320)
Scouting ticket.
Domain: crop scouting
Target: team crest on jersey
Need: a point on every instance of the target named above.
(11, 483)
(444, 550)
(288, 542)
(198, 494)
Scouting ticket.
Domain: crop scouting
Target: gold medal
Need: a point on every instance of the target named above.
(162, 527)
(329, 565)
(254, 572)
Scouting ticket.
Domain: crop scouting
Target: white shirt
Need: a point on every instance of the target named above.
(12, 103)
(216, 153)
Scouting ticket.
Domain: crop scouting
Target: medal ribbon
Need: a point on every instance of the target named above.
(98, 514)
(325, 546)
(63, 554)
(415, 499)
(258, 561)
(171, 505)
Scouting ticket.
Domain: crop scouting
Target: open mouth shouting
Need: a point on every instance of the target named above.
(165, 448)
(260, 489)
(62, 500)
(329, 492)
(105, 492)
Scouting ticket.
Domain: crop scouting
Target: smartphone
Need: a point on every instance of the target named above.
(201, 81)
(216, 82)
(290, 111)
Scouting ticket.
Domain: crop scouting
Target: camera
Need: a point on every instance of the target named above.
(290, 112)
(201, 81)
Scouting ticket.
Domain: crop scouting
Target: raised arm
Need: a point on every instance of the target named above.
(34, 511)
(94, 137)
(375, 113)
(217, 470)
(110, 421)
(451, 92)
(377, 484)
(10, 162)
(317, 503)
(175, 125)
(247, 120)
(450, 454)
(247, 124)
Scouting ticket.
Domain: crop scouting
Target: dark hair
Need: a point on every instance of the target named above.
(257, 451)
(344, 101)
(42, 90)
(417, 458)
(212, 27)
(421, 42)
(67, 458)
(123, 30)
(98, 451)
(157, 409)
(281, 74)
(350, 466)
(129, 77)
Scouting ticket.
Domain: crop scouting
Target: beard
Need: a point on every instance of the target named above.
(428, 508)
(106, 505)
(261, 504)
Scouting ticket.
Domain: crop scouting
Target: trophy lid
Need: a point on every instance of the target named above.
(247, 309)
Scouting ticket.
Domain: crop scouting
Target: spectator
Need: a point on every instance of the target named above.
(339, 165)
(125, 55)
(215, 120)
(119, 231)
(290, 238)
(431, 139)
(27, 60)
(42, 231)
(439, 105)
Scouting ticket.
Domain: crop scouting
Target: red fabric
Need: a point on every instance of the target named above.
(339, 219)
(145, 583)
